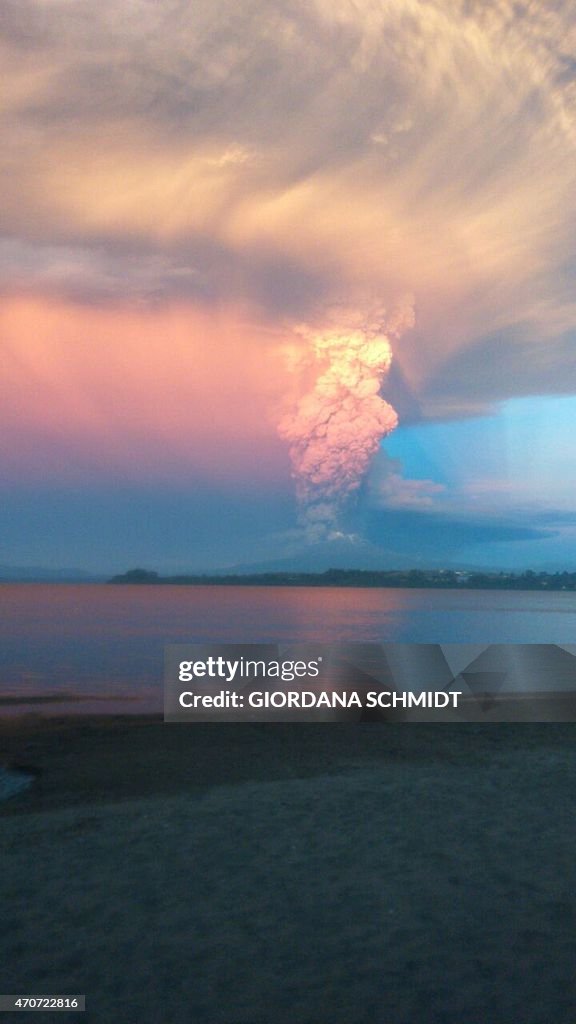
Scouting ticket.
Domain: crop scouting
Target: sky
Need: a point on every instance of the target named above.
(285, 278)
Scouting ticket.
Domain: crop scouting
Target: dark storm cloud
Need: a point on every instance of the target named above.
(201, 270)
(420, 530)
(492, 368)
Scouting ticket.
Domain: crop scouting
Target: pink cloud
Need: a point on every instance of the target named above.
(168, 392)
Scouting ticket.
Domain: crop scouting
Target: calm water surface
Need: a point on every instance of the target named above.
(93, 647)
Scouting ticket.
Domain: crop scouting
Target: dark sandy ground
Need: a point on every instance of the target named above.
(305, 874)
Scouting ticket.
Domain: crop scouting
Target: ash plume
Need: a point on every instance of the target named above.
(339, 418)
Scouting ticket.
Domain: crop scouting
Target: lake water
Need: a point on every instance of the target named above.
(100, 648)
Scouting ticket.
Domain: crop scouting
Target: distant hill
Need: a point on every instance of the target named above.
(341, 553)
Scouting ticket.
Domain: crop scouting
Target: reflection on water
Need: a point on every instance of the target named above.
(88, 647)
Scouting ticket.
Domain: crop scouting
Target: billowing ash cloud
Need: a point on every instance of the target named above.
(337, 422)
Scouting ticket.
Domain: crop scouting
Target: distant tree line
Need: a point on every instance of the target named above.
(433, 578)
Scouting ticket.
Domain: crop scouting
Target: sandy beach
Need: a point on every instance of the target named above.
(294, 874)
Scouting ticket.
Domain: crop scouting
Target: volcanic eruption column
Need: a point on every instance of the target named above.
(336, 426)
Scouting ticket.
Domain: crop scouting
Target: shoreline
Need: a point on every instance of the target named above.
(314, 582)
(98, 760)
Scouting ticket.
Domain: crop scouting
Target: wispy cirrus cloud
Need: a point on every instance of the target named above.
(407, 145)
